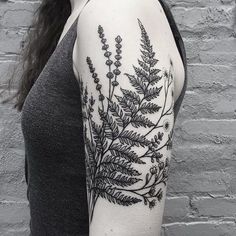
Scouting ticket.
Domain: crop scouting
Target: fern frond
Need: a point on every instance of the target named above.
(141, 74)
(125, 152)
(113, 163)
(113, 179)
(110, 126)
(149, 108)
(96, 130)
(139, 121)
(128, 105)
(118, 197)
(117, 112)
(137, 83)
(132, 138)
(132, 96)
(152, 93)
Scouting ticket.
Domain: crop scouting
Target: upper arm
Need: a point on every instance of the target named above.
(126, 80)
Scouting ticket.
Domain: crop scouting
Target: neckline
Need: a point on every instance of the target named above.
(70, 28)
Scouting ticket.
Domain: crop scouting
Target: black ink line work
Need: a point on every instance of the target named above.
(110, 159)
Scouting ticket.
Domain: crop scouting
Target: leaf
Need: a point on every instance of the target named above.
(154, 79)
(121, 119)
(146, 179)
(152, 93)
(111, 164)
(111, 128)
(132, 96)
(96, 130)
(125, 152)
(148, 54)
(154, 71)
(153, 62)
(143, 65)
(127, 105)
(141, 74)
(119, 180)
(91, 155)
(137, 83)
(146, 47)
(132, 138)
(118, 197)
(140, 120)
(149, 108)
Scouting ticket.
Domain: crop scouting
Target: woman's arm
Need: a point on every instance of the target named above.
(125, 56)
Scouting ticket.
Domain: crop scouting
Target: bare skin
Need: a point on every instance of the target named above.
(77, 7)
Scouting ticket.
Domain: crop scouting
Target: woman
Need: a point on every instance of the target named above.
(98, 112)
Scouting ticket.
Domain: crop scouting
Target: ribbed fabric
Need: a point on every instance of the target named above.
(54, 149)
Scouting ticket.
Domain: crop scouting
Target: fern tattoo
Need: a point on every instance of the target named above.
(111, 161)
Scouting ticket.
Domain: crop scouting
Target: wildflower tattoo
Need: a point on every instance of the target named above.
(110, 158)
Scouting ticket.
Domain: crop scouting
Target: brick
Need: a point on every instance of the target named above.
(199, 105)
(211, 77)
(207, 23)
(176, 209)
(203, 182)
(211, 51)
(11, 14)
(210, 228)
(215, 206)
(206, 130)
(13, 213)
(194, 159)
(200, 3)
(11, 41)
(15, 232)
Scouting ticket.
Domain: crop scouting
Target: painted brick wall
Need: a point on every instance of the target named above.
(201, 197)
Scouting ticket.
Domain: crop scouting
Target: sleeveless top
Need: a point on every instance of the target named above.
(52, 128)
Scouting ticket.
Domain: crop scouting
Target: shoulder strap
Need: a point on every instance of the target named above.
(175, 30)
(181, 48)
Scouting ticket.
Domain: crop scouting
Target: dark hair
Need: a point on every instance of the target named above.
(41, 40)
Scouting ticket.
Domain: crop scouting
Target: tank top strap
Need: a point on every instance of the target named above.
(181, 49)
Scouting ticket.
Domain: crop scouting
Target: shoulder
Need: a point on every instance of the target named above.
(111, 12)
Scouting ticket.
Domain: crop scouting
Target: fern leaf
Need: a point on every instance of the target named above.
(118, 197)
(128, 105)
(117, 112)
(111, 128)
(141, 74)
(96, 130)
(143, 65)
(112, 163)
(140, 120)
(91, 155)
(133, 138)
(124, 152)
(152, 93)
(119, 180)
(153, 62)
(149, 108)
(132, 96)
(154, 79)
(137, 83)
(154, 71)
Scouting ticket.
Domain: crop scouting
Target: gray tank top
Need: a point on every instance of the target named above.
(54, 149)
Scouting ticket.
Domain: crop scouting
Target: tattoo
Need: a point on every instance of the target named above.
(111, 160)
